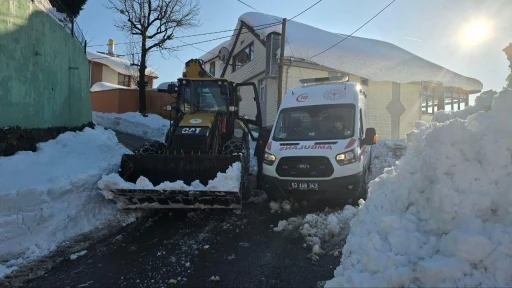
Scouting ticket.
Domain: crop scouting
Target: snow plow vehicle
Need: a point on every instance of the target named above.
(207, 137)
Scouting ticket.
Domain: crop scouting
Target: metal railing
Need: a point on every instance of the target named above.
(79, 35)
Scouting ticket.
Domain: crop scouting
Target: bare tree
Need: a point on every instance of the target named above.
(153, 23)
(132, 51)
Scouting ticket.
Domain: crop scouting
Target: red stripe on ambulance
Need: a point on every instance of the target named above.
(351, 142)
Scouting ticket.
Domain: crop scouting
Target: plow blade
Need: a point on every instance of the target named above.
(171, 168)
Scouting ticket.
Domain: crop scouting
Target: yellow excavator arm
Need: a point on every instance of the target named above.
(194, 68)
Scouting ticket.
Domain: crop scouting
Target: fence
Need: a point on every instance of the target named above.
(79, 35)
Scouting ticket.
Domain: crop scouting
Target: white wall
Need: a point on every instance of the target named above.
(109, 75)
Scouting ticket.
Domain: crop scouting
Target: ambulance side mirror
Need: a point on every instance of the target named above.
(370, 137)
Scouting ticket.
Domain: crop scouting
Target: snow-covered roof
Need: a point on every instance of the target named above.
(373, 59)
(101, 86)
(119, 65)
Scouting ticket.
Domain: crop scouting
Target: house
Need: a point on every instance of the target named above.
(112, 85)
(114, 69)
(401, 87)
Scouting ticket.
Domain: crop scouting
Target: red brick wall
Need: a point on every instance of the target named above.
(127, 100)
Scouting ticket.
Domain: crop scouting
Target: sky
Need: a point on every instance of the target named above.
(465, 36)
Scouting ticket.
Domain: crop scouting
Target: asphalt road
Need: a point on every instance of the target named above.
(189, 247)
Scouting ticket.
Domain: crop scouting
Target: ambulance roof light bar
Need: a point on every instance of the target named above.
(338, 78)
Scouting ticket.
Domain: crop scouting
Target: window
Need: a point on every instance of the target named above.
(316, 122)
(262, 90)
(453, 101)
(428, 103)
(364, 81)
(212, 68)
(123, 80)
(243, 57)
(204, 96)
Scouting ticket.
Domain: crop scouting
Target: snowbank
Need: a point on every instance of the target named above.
(119, 65)
(384, 155)
(102, 86)
(369, 58)
(442, 216)
(152, 127)
(328, 228)
(49, 196)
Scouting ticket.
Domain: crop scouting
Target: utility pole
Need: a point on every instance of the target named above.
(281, 65)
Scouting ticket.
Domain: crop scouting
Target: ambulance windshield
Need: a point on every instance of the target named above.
(316, 122)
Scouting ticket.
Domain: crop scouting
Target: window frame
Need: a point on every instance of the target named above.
(126, 78)
(251, 56)
(262, 83)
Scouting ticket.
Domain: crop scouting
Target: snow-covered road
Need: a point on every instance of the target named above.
(191, 248)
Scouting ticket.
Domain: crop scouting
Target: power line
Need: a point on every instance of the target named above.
(191, 44)
(346, 37)
(194, 35)
(288, 20)
(304, 10)
(248, 5)
(262, 26)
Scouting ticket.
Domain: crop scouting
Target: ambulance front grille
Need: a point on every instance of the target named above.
(304, 167)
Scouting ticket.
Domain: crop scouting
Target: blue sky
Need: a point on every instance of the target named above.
(432, 29)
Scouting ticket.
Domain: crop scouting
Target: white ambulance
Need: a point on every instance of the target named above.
(320, 145)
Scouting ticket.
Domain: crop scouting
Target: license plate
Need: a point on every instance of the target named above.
(303, 185)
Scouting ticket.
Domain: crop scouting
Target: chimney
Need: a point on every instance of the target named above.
(110, 47)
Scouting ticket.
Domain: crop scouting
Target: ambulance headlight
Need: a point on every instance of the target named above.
(346, 157)
(269, 159)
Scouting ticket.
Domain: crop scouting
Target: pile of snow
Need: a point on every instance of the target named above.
(384, 155)
(441, 217)
(49, 196)
(327, 228)
(152, 127)
(369, 58)
(102, 86)
(119, 65)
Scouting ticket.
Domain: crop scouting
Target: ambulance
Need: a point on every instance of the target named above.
(320, 144)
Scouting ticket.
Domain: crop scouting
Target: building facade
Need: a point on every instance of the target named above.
(393, 105)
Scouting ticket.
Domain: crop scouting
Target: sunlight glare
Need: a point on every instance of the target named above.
(476, 32)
